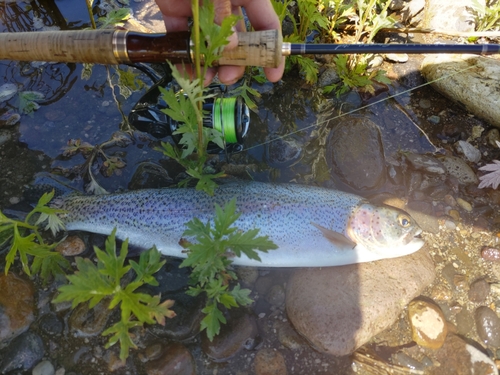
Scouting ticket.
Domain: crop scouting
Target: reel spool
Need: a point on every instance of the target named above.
(230, 116)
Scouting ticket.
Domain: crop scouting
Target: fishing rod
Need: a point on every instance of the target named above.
(258, 48)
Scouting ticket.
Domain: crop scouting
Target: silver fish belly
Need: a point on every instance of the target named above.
(312, 226)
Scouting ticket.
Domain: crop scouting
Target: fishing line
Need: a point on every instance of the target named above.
(318, 123)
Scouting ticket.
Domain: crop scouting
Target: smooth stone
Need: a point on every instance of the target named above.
(355, 153)
(22, 353)
(282, 152)
(247, 275)
(328, 77)
(51, 324)
(465, 322)
(175, 359)
(186, 323)
(276, 295)
(338, 309)
(477, 88)
(269, 362)
(87, 322)
(71, 246)
(471, 153)
(396, 57)
(9, 118)
(492, 137)
(44, 368)
(464, 204)
(456, 357)
(149, 175)
(233, 337)
(479, 290)
(428, 324)
(289, 337)
(459, 169)
(449, 15)
(488, 326)
(17, 305)
(426, 163)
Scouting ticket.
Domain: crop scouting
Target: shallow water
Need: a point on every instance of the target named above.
(289, 140)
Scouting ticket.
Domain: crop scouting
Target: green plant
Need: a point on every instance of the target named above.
(487, 14)
(27, 243)
(210, 259)
(28, 101)
(93, 283)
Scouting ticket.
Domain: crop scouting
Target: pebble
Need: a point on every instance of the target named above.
(465, 322)
(491, 254)
(464, 204)
(289, 337)
(89, 322)
(396, 57)
(338, 309)
(247, 275)
(459, 169)
(488, 326)
(233, 337)
(43, 368)
(269, 362)
(282, 152)
(492, 137)
(428, 324)
(175, 359)
(9, 118)
(276, 295)
(479, 290)
(17, 306)
(328, 77)
(426, 163)
(471, 153)
(71, 246)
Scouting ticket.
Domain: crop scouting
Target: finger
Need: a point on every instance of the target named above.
(229, 74)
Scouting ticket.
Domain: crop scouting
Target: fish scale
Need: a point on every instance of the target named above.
(289, 214)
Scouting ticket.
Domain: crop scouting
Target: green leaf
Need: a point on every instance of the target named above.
(114, 18)
(149, 264)
(212, 320)
(109, 263)
(241, 295)
(120, 333)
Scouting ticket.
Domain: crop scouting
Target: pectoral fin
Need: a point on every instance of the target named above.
(335, 238)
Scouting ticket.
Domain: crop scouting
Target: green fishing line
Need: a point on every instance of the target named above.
(223, 116)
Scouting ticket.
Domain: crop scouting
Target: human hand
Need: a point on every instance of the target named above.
(260, 13)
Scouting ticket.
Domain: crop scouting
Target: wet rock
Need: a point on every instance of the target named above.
(488, 326)
(22, 353)
(289, 337)
(465, 321)
(269, 362)
(428, 324)
(338, 309)
(186, 323)
(456, 357)
(175, 359)
(50, 324)
(7, 91)
(471, 153)
(5, 136)
(233, 336)
(492, 137)
(282, 152)
(9, 118)
(44, 368)
(149, 175)
(459, 169)
(71, 246)
(247, 275)
(328, 77)
(89, 322)
(474, 81)
(276, 296)
(396, 57)
(479, 290)
(355, 153)
(464, 204)
(426, 163)
(17, 306)
(449, 15)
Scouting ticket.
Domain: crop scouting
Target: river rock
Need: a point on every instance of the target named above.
(479, 290)
(456, 357)
(338, 309)
(459, 169)
(488, 326)
(17, 306)
(44, 368)
(428, 324)
(449, 15)
(175, 359)
(355, 153)
(239, 330)
(87, 322)
(471, 153)
(269, 362)
(22, 353)
(473, 81)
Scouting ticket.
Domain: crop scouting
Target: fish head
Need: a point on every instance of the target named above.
(385, 231)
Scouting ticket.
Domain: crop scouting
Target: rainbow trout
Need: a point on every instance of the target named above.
(312, 226)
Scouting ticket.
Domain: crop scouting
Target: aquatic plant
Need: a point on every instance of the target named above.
(210, 259)
(27, 243)
(93, 283)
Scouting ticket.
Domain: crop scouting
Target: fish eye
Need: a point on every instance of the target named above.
(404, 221)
